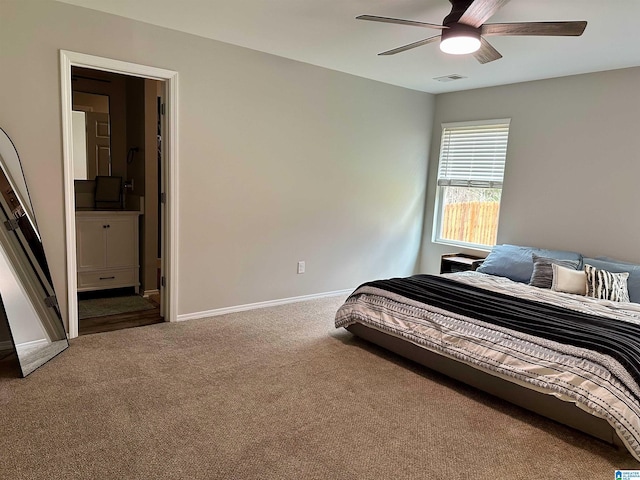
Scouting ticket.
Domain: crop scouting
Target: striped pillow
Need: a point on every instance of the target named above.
(542, 276)
(606, 285)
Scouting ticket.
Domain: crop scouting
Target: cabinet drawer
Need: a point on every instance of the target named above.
(107, 279)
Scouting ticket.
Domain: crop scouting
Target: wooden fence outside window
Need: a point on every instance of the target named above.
(471, 222)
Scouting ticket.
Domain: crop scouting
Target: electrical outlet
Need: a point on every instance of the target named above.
(301, 267)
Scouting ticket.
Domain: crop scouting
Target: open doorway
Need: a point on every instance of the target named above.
(125, 213)
(117, 152)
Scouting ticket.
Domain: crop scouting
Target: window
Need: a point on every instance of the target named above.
(470, 173)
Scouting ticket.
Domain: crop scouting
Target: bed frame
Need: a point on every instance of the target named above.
(547, 405)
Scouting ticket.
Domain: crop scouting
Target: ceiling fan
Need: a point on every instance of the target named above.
(463, 30)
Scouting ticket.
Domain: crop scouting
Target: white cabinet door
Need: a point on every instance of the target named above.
(121, 242)
(91, 243)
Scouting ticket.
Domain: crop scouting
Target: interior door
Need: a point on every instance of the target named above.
(98, 144)
(162, 208)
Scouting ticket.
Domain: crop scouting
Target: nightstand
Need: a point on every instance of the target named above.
(459, 262)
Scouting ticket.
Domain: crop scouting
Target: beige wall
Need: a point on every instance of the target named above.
(573, 162)
(280, 161)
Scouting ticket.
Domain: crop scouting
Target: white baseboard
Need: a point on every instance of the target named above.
(254, 306)
(148, 293)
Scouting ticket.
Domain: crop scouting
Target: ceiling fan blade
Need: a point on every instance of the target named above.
(411, 45)
(480, 11)
(486, 53)
(399, 21)
(563, 29)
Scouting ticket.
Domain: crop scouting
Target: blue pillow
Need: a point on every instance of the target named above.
(618, 266)
(516, 262)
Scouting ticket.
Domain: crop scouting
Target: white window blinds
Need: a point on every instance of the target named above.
(473, 155)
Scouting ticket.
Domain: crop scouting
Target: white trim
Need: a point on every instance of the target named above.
(474, 123)
(67, 60)
(148, 293)
(470, 246)
(254, 306)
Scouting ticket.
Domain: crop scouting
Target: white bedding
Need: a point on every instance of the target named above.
(595, 382)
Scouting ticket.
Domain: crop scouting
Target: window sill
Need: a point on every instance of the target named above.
(470, 246)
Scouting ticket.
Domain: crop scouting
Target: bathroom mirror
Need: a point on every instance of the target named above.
(91, 128)
(35, 326)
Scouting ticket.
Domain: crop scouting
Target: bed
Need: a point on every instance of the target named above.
(568, 356)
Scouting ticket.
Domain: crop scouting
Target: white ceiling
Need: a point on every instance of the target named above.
(325, 33)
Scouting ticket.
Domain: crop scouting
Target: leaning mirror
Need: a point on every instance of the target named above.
(36, 332)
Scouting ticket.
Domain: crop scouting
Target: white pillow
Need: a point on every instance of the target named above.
(569, 280)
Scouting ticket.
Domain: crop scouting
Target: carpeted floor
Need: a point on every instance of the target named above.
(270, 394)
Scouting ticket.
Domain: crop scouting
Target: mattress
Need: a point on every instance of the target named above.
(595, 382)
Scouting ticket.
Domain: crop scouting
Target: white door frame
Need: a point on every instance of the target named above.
(169, 294)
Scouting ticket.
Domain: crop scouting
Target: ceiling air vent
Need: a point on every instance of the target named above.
(449, 78)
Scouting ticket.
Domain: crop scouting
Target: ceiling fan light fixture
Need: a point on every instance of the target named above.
(460, 39)
(460, 45)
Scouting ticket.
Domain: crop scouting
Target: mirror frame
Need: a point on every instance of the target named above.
(22, 248)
